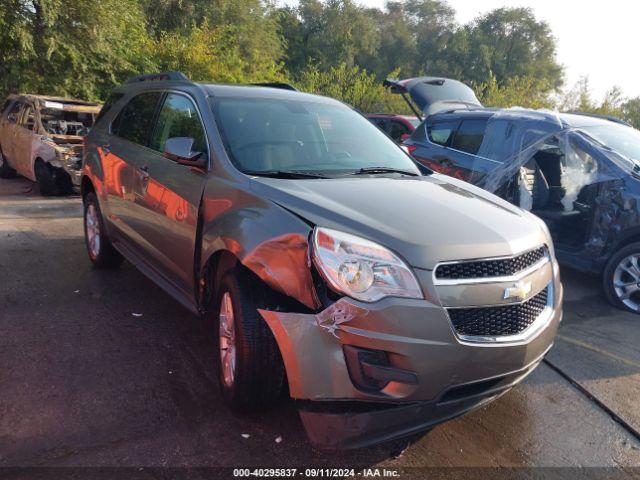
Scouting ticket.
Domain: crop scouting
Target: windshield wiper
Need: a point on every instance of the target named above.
(374, 170)
(285, 173)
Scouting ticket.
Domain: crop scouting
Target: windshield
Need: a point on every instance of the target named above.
(267, 135)
(415, 122)
(624, 140)
(63, 122)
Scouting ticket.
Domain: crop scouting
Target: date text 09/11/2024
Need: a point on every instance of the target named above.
(316, 472)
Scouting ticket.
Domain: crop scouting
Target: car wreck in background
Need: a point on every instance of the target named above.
(41, 138)
(579, 173)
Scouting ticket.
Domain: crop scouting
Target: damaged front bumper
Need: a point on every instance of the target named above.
(72, 165)
(67, 159)
(374, 372)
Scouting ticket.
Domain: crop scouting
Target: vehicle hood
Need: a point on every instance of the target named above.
(433, 94)
(426, 219)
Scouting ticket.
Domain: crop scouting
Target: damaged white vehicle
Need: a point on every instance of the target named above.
(41, 139)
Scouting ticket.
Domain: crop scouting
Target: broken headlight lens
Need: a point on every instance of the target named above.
(361, 268)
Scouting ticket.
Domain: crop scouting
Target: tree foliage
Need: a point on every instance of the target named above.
(338, 48)
(523, 92)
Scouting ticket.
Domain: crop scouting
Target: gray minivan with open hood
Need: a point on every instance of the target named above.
(389, 300)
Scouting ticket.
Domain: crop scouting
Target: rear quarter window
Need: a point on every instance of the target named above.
(5, 105)
(469, 136)
(441, 133)
(135, 120)
(111, 101)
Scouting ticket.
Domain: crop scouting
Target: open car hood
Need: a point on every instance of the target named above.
(434, 94)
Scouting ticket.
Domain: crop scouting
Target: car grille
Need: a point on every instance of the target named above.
(498, 321)
(490, 268)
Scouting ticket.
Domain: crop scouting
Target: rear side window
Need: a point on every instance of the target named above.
(179, 118)
(469, 136)
(135, 120)
(111, 101)
(442, 132)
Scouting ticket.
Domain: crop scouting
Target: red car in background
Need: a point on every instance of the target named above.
(398, 127)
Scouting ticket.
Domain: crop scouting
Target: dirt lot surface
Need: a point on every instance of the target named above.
(104, 369)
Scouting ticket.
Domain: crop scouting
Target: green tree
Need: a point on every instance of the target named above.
(631, 111)
(78, 48)
(515, 91)
(214, 55)
(327, 34)
(511, 42)
(353, 86)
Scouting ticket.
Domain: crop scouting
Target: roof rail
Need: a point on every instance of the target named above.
(160, 77)
(281, 85)
(611, 118)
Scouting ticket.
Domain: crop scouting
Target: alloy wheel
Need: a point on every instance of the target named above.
(93, 230)
(626, 281)
(227, 340)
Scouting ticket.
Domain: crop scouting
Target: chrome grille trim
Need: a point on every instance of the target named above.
(507, 278)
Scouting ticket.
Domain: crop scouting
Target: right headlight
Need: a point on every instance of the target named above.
(362, 269)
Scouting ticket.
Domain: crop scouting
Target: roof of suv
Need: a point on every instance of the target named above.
(568, 119)
(268, 90)
(257, 91)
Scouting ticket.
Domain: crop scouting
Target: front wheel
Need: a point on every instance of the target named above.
(250, 368)
(46, 179)
(622, 278)
(101, 252)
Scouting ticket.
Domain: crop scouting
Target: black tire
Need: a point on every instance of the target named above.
(102, 254)
(46, 179)
(5, 170)
(259, 371)
(609, 278)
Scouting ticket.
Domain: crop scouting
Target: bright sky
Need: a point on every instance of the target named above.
(594, 38)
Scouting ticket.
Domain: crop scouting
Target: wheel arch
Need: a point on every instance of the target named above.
(627, 237)
(86, 186)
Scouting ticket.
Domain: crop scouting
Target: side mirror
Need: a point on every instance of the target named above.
(179, 149)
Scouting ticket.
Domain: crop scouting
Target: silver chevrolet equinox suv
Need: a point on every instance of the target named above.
(389, 299)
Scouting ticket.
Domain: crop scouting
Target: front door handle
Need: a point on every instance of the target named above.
(143, 172)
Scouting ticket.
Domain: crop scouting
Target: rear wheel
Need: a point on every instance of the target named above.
(622, 278)
(101, 252)
(250, 369)
(5, 170)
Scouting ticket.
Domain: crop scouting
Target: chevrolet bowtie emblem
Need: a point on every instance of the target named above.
(519, 291)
